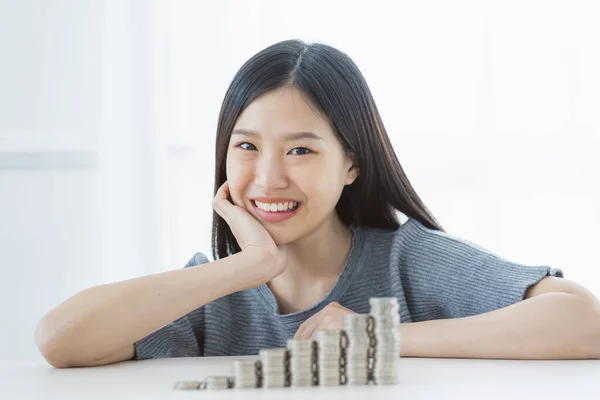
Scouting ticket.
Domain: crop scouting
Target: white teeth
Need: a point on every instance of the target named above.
(274, 207)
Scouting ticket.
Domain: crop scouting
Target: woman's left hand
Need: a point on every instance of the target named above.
(330, 317)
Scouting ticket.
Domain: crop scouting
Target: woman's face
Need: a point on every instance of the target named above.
(262, 161)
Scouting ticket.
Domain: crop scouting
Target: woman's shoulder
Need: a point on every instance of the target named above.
(408, 226)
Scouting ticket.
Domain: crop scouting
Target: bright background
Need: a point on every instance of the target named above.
(108, 113)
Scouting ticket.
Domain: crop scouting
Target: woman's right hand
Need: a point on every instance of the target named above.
(249, 233)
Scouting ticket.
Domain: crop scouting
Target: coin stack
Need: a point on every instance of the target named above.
(386, 319)
(244, 372)
(329, 356)
(218, 382)
(273, 367)
(301, 362)
(357, 348)
(189, 385)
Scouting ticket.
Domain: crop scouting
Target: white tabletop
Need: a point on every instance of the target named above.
(421, 378)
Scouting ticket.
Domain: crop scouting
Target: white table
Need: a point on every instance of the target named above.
(421, 378)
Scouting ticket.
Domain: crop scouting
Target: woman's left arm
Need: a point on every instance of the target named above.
(557, 319)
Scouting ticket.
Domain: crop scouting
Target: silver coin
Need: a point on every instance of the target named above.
(188, 385)
(302, 372)
(355, 321)
(385, 343)
(302, 378)
(383, 300)
(273, 384)
(385, 312)
(387, 380)
(390, 315)
(304, 345)
(245, 377)
(358, 378)
(329, 362)
(245, 384)
(300, 367)
(329, 356)
(326, 344)
(382, 323)
(244, 364)
(303, 357)
(297, 366)
(358, 341)
(332, 382)
(294, 362)
(275, 351)
(329, 332)
(303, 383)
(356, 382)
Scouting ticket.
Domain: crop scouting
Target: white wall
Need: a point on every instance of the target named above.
(108, 111)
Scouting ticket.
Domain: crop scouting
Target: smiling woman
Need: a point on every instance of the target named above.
(307, 194)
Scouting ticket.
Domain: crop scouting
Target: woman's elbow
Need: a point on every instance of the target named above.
(48, 345)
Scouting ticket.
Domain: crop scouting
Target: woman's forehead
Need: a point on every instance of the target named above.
(280, 113)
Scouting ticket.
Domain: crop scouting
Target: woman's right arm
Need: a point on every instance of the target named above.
(100, 325)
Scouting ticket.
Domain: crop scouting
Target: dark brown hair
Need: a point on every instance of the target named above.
(338, 90)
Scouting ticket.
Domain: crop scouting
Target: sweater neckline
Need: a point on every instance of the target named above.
(334, 294)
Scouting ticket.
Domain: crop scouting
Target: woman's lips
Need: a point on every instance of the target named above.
(275, 216)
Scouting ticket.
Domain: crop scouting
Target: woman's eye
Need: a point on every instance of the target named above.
(242, 144)
(304, 150)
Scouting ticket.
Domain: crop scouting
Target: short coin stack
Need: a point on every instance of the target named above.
(218, 382)
(386, 319)
(329, 356)
(301, 364)
(189, 385)
(357, 348)
(244, 372)
(273, 367)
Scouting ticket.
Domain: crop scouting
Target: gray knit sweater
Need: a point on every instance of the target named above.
(433, 275)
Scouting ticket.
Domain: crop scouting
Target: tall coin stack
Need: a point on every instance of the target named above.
(244, 372)
(301, 364)
(273, 367)
(386, 319)
(357, 348)
(329, 356)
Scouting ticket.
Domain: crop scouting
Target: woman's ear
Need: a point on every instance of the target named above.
(352, 174)
(352, 171)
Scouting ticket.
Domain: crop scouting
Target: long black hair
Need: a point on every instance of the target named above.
(338, 90)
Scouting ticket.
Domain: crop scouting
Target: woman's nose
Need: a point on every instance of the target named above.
(269, 173)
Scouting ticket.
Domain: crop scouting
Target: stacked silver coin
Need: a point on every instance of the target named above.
(329, 356)
(244, 372)
(385, 313)
(218, 382)
(273, 367)
(357, 348)
(301, 362)
(189, 385)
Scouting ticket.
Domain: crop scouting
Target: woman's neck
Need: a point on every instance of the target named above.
(314, 264)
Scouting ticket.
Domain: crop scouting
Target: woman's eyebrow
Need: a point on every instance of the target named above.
(287, 136)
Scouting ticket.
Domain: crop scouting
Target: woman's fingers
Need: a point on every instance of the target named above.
(326, 323)
(306, 329)
(221, 201)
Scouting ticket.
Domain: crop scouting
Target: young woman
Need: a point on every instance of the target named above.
(308, 191)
